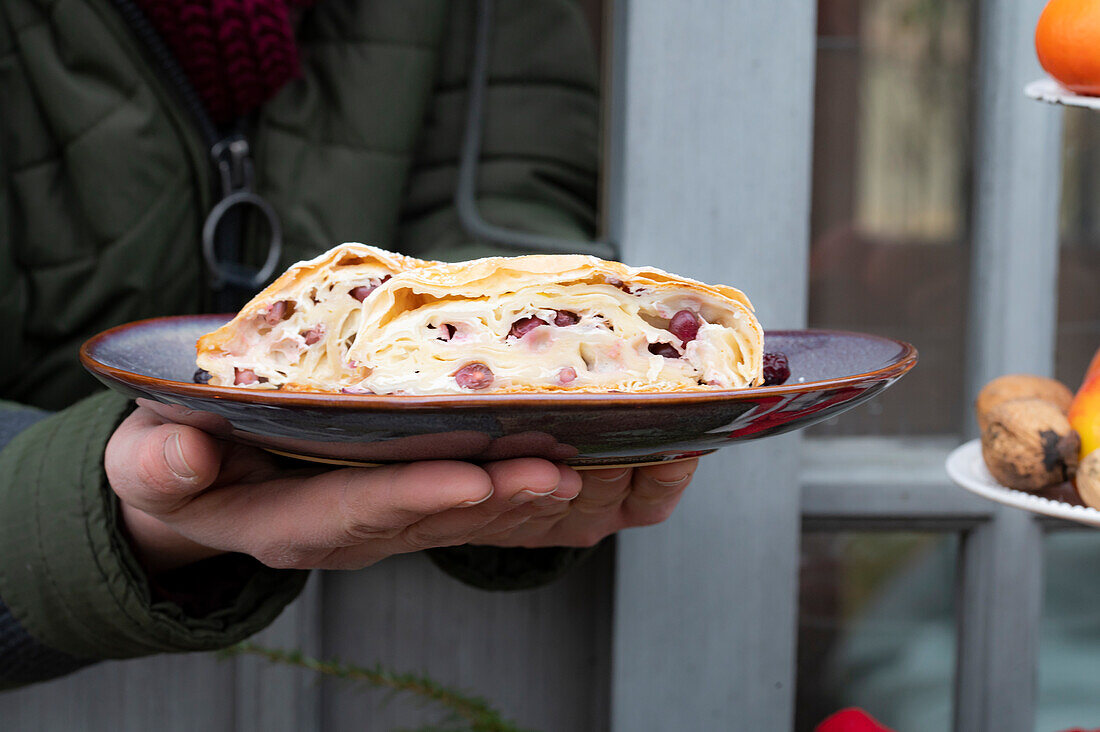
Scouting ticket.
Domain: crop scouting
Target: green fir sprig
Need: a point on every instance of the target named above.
(470, 713)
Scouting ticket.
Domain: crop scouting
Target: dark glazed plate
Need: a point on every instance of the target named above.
(831, 372)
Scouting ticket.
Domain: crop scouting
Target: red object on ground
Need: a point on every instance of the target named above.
(851, 720)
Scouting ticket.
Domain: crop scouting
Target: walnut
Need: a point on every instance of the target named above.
(1021, 386)
(1028, 444)
(1088, 479)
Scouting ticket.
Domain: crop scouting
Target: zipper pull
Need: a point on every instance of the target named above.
(223, 230)
(233, 159)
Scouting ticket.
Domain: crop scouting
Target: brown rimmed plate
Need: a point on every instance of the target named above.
(831, 372)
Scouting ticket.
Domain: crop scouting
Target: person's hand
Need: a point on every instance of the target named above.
(609, 500)
(186, 496)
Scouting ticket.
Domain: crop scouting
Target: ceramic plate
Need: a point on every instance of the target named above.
(967, 468)
(1050, 91)
(831, 372)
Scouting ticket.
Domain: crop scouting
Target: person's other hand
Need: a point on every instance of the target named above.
(186, 496)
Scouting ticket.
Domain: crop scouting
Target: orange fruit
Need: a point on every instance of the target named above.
(1067, 40)
(1084, 412)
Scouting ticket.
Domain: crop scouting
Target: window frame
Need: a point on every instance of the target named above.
(1013, 266)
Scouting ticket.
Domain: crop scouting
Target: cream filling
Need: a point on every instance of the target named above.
(391, 342)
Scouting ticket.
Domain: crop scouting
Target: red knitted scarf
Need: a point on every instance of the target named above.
(237, 53)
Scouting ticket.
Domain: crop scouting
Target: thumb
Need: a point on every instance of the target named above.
(158, 466)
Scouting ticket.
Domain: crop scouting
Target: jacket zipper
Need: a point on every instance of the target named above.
(231, 159)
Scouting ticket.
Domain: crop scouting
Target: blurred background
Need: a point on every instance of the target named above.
(894, 100)
(892, 193)
(890, 249)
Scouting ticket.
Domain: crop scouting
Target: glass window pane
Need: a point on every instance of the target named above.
(890, 196)
(1069, 646)
(877, 628)
(1079, 271)
(1069, 636)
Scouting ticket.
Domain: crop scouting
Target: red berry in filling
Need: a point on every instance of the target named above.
(664, 349)
(566, 375)
(684, 325)
(314, 334)
(523, 326)
(244, 376)
(360, 293)
(474, 376)
(776, 369)
(563, 318)
(278, 311)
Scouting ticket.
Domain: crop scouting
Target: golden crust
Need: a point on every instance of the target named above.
(388, 341)
(493, 275)
(351, 254)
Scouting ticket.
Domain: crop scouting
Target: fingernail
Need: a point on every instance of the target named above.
(670, 483)
(525, 496)
(467, 504)
(173, 455)
(613, 478)
(551, 500)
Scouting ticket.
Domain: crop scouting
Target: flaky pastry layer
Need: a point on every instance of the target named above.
(362, 320)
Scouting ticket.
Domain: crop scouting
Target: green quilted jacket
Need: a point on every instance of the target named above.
(105, 183)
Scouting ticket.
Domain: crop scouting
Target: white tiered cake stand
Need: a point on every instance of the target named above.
(965, 465)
